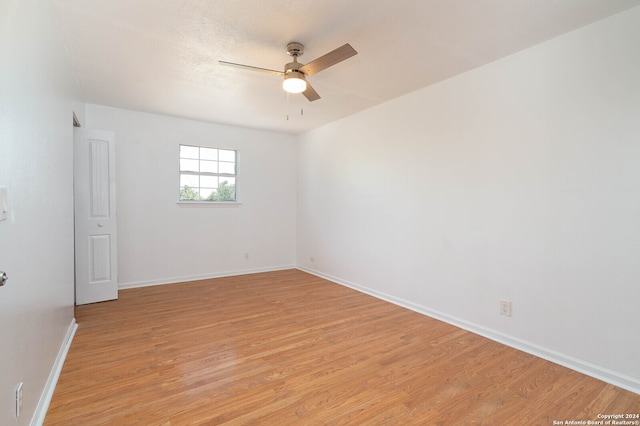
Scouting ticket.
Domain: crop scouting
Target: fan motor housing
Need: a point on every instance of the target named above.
(294, 74)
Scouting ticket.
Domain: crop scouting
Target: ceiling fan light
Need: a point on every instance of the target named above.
(294, 82)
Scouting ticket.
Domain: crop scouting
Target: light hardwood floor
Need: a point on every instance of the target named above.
(287, 347)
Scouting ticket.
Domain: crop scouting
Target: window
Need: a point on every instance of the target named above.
(207, 174)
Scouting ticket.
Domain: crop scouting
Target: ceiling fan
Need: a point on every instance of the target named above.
(295, 74)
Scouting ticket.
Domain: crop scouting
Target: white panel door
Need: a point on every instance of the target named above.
(95, 216)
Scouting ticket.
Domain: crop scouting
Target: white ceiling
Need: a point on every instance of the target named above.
(161, 56)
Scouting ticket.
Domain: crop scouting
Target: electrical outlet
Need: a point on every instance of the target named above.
(246, 256)
(505, 308)
(18, 399)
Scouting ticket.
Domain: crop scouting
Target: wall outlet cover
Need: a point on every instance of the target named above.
(505, 308)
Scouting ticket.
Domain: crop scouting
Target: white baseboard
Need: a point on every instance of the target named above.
(50, 386)
(606, 375)
(174, 280)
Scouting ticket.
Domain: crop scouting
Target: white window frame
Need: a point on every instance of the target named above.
(200, 174)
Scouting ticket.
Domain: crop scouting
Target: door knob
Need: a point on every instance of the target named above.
(3, 278)
(100, 225)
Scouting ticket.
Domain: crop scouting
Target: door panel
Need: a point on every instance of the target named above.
(95, 216)
(99, 178)
(100, 256)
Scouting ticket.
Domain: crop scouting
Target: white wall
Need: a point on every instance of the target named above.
(160, 241)
(519, 180)
(36, 242)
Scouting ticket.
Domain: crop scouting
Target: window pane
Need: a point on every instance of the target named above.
(209, 181)
(208, 166)
(228, 168)
(188, 193)
(188, 151)
(209, 194)
(227, 189)
(227, 155)
(208, 154)
(189, 180)
(188, 165)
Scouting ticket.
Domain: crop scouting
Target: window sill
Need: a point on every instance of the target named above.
(207, 204)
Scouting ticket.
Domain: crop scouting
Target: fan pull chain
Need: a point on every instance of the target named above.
(287, 106)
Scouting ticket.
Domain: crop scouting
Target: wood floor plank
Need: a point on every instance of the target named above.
(287, 347)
